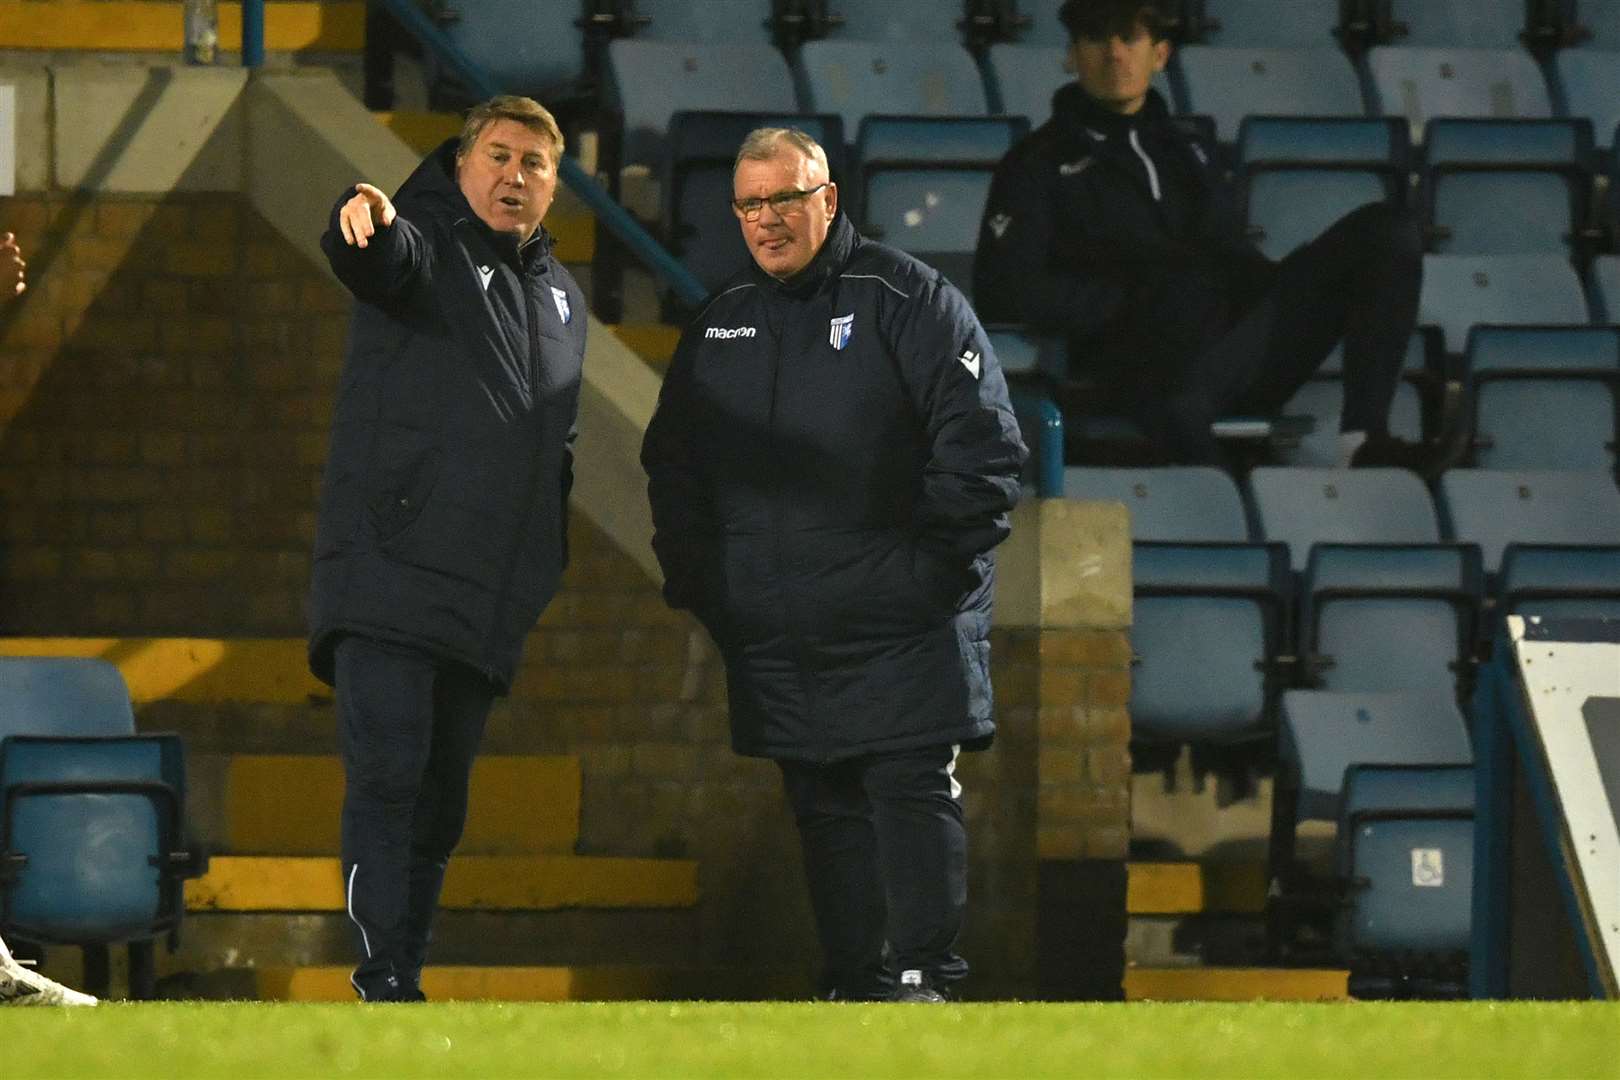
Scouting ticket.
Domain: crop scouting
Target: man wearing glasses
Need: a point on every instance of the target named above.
(831, 462)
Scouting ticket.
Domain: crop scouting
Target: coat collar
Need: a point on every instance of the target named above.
(1083, 118)
(828, 263)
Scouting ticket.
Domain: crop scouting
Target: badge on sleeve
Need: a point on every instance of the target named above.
(841, 329)
(561, 298)
(970, 360)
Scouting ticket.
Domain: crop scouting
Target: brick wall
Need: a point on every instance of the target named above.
(167, 382)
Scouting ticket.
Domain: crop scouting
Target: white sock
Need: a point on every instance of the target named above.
(1349, 443)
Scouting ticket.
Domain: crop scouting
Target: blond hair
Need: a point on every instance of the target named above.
(526, 111)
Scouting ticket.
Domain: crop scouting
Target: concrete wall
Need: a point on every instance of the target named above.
(164, 396)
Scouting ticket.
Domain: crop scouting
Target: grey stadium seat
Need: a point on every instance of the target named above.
(861, 78)
(1462, 291)
(1302, 507)
(1423, 83)
(1230, 84)
(1495, 508)
(1544, 398)
(1590, 81)
(1267, 24)
(715, 21)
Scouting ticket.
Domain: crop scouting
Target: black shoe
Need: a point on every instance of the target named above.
(1426, 459)
(916, 989)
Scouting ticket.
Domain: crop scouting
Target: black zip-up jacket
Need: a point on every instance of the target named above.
(1115, 232)
(443, 506)
(831, 462)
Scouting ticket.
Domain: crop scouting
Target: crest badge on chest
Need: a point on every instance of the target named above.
(560, 297)
(840, 330)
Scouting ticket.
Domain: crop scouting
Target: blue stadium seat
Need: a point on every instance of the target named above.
(1606, 288)
(1303, 174)
(714, 21)
(1497, 187)
(1384, 617)
(924, 181)
(1033, 364)
(653, 80)
(703, 146)
(1544, 398)
(1463, 291)
(1023, 79)
(1325, 733)
(1590, 82)
(548, 56)
(1266, 24)
(1495, 508)
(1602, 19)
(1560, 581)
(913, 21)
(50, 695)
(1405, 849)
(1480, 24)
(1229, 84)
(1322, 400)
(1302, 507)
(1425, 83)
(1210, 614)
(860, 78)
(1044, 28)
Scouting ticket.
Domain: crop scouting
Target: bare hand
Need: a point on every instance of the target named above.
(361, 215)
(12, 267)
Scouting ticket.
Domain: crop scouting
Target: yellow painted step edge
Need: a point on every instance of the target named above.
(519, 805)
(474, 882)
(1236, 984)
(271, 671)
(466, 983)
(1189, 888)
(653, 342)
(157, 26)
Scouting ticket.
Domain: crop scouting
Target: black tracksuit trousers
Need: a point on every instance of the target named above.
(409, 726)
(885, 856)
(1358, 282)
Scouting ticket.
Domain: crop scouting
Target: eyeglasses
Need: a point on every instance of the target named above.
(784, 203)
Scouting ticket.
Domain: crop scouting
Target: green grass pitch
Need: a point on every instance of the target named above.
(665, 1039)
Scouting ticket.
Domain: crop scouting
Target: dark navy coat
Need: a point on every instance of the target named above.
(830, 464)
(443, 518)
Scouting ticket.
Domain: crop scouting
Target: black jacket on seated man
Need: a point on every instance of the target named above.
(1115, 232)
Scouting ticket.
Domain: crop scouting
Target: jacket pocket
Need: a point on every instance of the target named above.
(942, 581)
(404, 488)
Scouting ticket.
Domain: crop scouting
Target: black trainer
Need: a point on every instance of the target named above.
(1425, 459)
(916, 989)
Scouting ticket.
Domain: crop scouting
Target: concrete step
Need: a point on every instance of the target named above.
(1192, 888)
(1235, 984)
(474, 882)
(519, 805)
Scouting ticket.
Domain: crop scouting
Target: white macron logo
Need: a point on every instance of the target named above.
(485, 274)
(999, 223)
(970, 360)
(724, 334)
(1074, 168)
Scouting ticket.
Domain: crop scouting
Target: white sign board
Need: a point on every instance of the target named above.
(1571, 688)
(8, 140)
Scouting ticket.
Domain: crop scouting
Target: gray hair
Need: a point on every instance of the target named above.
(763, 144)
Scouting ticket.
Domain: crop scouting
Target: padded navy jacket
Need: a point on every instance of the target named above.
(443, 518)
(831, 462)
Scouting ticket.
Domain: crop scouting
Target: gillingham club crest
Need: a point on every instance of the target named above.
(840, 330)
(561, 299)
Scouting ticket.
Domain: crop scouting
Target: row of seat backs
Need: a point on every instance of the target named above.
(1301, 508)
(92, 847)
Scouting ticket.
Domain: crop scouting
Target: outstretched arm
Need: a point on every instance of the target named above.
(375, 252)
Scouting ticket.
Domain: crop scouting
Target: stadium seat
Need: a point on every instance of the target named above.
(1303, 507)
(1324, 733)
(1266, 24)
(1044, 28)
(1602, 20)
(1302, 174)
(1495, 508)
(860, 78)
(1230, 83)
(1606, 289)
(1322, 400)
(713, 21)
(547, 58)
(91, 816)
(1210, 612)
(1560, 581)
(1023, 78)
(1462, 291)
(1382, 617)
(1479, 24)
(1405, 849)
(702, 229)
(924, 181)
(1500, 187)
(913, 21)
(1544, 398)
(1420, 83)
(1589, 80)
(653, 80)
(1033, 364)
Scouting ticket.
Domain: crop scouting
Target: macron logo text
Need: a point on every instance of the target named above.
(733, 332)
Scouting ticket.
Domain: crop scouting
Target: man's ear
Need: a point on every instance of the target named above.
(1161, 55)
(831, 191)
(1070, 64)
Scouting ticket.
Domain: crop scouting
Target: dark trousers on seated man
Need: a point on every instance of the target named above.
(885, 855)
(409, 726)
